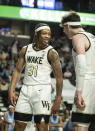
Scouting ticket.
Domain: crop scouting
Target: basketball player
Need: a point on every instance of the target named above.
(39, 60)
(83, 55)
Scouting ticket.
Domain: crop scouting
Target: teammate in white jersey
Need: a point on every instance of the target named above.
(83, 52)
(39, 60)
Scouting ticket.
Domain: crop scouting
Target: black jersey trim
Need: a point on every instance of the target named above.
(40, 49)
(25, 53)
(47, 55)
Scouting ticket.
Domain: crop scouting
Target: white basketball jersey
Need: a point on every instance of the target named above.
(90, 56)
(37, 69)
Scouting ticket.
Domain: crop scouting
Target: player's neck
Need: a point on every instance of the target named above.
(39, 47)
(76, 31)
(79, 30)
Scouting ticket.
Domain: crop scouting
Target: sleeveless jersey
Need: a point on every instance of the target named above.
(37, 68)
(56, 121)
(10, 119)
(90, 56)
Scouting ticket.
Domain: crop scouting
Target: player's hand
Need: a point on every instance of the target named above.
(80, 102)
(12, 98)
(56, 105)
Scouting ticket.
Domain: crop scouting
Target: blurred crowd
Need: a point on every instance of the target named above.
(9, 53)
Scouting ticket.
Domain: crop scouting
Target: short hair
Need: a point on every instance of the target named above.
(71, 17)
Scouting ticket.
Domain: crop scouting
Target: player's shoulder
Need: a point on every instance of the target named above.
(80, 35)
(79, 39)
(77, 36)
(52, 55)
(23, 50)
(53, 51)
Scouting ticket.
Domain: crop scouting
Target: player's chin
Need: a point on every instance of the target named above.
(45, 42)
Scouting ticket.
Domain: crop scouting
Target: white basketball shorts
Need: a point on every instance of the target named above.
(34, 100)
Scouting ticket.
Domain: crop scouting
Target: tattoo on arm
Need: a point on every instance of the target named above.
(57, 70)
(55, 63)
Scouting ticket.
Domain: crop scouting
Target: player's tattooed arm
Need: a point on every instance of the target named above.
(54, 60)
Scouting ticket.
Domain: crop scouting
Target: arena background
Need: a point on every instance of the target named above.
(17, 21)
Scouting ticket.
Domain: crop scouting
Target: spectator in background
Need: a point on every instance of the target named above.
(4, 74)
(3, 85)
(3, 52)
(55, 123)
(67, 124)
(66, 63)
(14, 49)
(9, 119)
(65, 116)
(2, 128)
